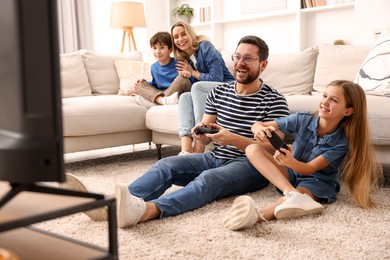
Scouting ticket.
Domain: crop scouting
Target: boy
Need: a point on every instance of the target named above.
(167, 83)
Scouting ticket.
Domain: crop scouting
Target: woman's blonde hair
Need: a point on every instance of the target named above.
(360, 169)
(192, 36)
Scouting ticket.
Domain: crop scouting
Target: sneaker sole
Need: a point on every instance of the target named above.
(241, 207)
(296, 213)
(120, 210)
(73, 183)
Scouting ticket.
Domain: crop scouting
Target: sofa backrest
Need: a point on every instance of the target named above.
(86, 73)
(336, 62)
(311, 70)
(290, 73)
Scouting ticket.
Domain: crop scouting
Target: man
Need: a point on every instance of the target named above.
(232, 108)
(225, 171)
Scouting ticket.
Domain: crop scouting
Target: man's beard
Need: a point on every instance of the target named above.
(252, 76)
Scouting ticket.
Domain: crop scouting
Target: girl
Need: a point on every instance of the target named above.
(198, 56)
(308, 172)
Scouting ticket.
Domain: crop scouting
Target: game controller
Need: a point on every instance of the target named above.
(277, 142)
(200, 130)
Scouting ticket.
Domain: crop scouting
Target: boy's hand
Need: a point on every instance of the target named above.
(136, 85)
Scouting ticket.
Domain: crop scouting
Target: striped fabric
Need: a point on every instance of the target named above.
(238, 113)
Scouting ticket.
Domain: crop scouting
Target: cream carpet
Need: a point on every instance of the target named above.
(344, 231)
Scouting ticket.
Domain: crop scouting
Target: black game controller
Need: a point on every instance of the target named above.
(277, 142)
(200, 130)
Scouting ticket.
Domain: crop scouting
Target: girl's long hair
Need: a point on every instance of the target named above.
(360, 169)
(192, 36)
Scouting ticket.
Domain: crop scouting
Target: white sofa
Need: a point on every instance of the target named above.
(96, 116)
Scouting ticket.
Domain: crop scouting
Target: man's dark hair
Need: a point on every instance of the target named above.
(162, 38)
(263, 47)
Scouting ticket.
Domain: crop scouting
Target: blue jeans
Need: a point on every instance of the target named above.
(204, 179)
(192, 105)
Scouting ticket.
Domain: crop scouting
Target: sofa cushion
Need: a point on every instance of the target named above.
(101, 71)
(129, 71)
(92, 115)
(337, 62)
(293, 73)
(379, 119)
(374, 74)
(74, 79)
(163, 119)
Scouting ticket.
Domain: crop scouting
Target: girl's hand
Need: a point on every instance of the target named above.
(262, 132)
(284, 159)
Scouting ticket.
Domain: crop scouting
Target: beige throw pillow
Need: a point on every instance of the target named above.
(74, 79)
(291, 74)
(129, 71)
(374, 74)
(336, 62)
(101, 70)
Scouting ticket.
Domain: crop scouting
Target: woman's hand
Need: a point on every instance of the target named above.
(185, 73)
(183, 65)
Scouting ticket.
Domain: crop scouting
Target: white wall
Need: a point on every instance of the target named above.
(369, 16)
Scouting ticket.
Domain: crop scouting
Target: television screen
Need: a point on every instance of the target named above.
(31, 141)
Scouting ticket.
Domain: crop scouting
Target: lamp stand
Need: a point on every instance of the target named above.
(129, 32)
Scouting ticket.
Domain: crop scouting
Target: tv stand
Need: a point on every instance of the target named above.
(25, 204)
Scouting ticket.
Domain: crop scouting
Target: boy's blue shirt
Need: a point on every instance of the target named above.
(163, 76)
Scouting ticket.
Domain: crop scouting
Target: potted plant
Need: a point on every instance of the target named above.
(183, 11)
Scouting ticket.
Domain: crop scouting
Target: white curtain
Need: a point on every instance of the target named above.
(74, 25)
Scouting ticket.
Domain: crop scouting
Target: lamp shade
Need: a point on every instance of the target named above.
(127, 14)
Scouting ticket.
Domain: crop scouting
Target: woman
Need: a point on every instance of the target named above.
(198, 56)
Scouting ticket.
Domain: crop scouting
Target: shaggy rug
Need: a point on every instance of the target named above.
(343, 231)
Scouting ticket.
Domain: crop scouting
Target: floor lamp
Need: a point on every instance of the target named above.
(126, 16)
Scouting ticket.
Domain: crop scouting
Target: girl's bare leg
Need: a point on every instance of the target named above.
(263, 161)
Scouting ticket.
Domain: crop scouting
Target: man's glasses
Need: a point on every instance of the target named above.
(246, 58)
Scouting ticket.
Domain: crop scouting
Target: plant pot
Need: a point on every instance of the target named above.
(183, 18)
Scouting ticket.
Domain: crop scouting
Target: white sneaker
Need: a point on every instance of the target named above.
(171, 100)
(296, 205)
(242, 214)
(184, 153)
(129, 208)
(73, 183)
(144, 102)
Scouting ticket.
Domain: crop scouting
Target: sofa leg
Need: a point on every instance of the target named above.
(158, 146)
